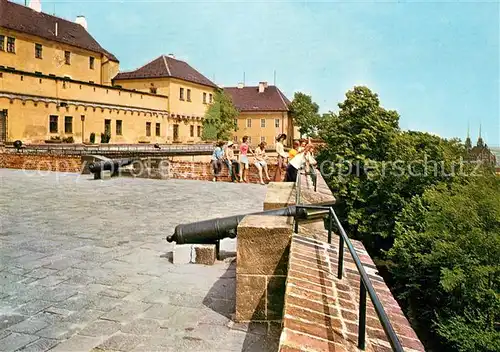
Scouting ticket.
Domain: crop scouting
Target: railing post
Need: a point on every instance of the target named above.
(341, 257)
(362, 315)
(330, 225)
(296, 222)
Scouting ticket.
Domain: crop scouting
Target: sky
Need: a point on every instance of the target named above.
(436, 63)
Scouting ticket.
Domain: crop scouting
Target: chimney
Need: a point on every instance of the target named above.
(56, 29)
(171, 55)
(35, 5)
(240, 85)
(82, 21)
(262, 87)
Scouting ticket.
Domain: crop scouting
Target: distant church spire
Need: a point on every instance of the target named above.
(468, 142)
(480, 142)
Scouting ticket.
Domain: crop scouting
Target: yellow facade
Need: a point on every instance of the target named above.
(53, 58)
(263, 126)
(37, 84)
(199, 95)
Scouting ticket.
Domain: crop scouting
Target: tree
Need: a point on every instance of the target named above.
(445, 262)
(218, 123)
(305, 114)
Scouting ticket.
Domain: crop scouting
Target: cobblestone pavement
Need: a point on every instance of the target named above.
(84, 265)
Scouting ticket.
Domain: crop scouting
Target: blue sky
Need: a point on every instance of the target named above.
(436, 63)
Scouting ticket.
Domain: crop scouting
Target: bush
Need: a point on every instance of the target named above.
(68, 140)
(92, 138)
(105, 137)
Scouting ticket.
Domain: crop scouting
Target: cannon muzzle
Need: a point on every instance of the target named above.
(112, 165)
(211, 231)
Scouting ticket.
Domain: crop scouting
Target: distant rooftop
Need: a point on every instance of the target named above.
(167, 66)
(251, 99)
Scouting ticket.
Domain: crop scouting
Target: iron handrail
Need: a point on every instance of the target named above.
(365, 283)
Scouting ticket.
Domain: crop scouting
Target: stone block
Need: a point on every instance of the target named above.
(250, 297)
(182, 253)
(279, 195)
(204, 254)
(263, 245)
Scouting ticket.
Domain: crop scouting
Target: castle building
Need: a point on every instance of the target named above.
(480, 152)
(264, 113)
(58, 82)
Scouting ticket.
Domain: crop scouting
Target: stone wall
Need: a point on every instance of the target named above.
(160, 168)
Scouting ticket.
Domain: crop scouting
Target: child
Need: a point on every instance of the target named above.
(217, 158)
(244, 148)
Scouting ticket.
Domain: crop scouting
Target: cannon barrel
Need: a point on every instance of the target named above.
(109, 165)
(211, 231)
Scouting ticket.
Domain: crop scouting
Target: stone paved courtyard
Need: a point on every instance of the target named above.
(84, 265)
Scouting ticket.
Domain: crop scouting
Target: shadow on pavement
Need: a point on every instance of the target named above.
(221, 298)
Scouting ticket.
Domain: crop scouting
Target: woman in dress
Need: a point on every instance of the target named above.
(260, 161)
(282, 157)
(244, 149)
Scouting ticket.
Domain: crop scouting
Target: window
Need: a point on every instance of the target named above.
(118, 127)
(107, 127)
(152, 90)
(53, 124)
(189, 95)
(235, 139)
(262, 139)
(191, 131)
(276, 122)
(249, 122)
(2, 43)
(158, 129)
(38, 51)
(181, 94)
(204, 98)
(68, 124)
(67, 58)
(148, 129)
(262, 122)
(198, 131)
(11, 45)
(176, 133)
(210, 98)
(91, 62)
(235, 124)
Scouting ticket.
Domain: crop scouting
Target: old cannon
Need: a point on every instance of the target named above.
(214, 230)
(112, 165)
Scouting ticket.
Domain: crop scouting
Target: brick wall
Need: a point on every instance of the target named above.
(321, 311)
(41, 162)
(148, 167)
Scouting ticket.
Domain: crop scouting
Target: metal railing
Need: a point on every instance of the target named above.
(365, 284)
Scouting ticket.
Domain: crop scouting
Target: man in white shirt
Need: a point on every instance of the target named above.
(298, 161)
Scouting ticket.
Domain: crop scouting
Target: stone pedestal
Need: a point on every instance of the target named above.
(279, 195)
(194, 253)
(261, 268)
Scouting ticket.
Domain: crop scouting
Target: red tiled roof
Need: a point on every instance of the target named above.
(23, 19)
(249, 99)
(166, 66)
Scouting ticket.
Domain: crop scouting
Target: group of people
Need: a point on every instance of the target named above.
(299, 156)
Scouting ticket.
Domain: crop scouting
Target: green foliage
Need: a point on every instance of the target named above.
(432, 228)
(69, 139)
(219, 118)
(446, 262)
(92, 138)
(305, 114)
(105, 137)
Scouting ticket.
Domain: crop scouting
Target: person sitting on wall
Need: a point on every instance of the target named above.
(302, 158)
(260, 161)
(244, 149)
(231, 162)
(282, 157)
(217, 159)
